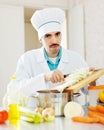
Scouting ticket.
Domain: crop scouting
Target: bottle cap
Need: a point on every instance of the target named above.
(13, 77)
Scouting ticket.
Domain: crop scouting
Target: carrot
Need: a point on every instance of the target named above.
(98, 115)
(92, 108)
(100, 108)
(85, 119)
(96, 87)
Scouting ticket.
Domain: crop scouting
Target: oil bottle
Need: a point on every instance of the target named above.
(13, 101)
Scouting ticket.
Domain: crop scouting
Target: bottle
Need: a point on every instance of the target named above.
(13, 112)
(13, 100)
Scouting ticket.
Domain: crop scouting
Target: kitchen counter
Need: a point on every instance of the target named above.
(60, 123)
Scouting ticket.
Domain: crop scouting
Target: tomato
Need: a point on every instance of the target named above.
(3, 116)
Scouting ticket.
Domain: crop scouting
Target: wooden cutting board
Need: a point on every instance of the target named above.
(95, 75)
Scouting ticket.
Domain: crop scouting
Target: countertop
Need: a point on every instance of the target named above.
(60, 123)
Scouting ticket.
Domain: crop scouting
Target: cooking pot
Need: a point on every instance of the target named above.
(55, 100)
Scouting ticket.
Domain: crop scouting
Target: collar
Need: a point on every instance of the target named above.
(58, 57)
(41, 58)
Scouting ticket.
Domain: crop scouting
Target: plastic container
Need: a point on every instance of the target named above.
(93, 92)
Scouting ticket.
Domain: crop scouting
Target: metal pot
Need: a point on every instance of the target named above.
(52, 99)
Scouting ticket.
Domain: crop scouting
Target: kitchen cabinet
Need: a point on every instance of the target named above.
(9, 0)
(34, 3)
(59, 3)
(38, 3)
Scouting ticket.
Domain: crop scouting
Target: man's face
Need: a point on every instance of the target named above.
(51, 42)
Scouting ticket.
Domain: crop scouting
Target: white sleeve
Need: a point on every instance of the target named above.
(27, 84)
(32, 85)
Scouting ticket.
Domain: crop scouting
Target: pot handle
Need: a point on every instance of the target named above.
(37, 98)
(35, 95)
(75, 96)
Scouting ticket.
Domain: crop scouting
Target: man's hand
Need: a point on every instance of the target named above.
(54, 76)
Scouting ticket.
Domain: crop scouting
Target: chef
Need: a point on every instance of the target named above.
(43, 68)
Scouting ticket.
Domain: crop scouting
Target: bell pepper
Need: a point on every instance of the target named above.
(3, 116)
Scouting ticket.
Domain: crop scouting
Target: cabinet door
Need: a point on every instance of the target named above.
(59, 3)
(8, 1)
(34, 2)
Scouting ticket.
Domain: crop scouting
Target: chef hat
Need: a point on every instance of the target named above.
(47, 20)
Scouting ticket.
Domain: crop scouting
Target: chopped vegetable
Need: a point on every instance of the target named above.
(48, 114)
(97, 115)
(85, 119)
(91, 108)
(73, 78)
(100, 108)
(72, 109)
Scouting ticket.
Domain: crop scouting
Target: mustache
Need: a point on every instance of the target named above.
(54, 44)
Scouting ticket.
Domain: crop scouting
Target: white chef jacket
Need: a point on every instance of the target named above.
(32, 66)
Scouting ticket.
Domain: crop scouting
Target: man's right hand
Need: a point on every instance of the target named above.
(54, 76)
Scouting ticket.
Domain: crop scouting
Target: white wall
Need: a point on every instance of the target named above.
(11, 42)
(76, 29)
(93, 34)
